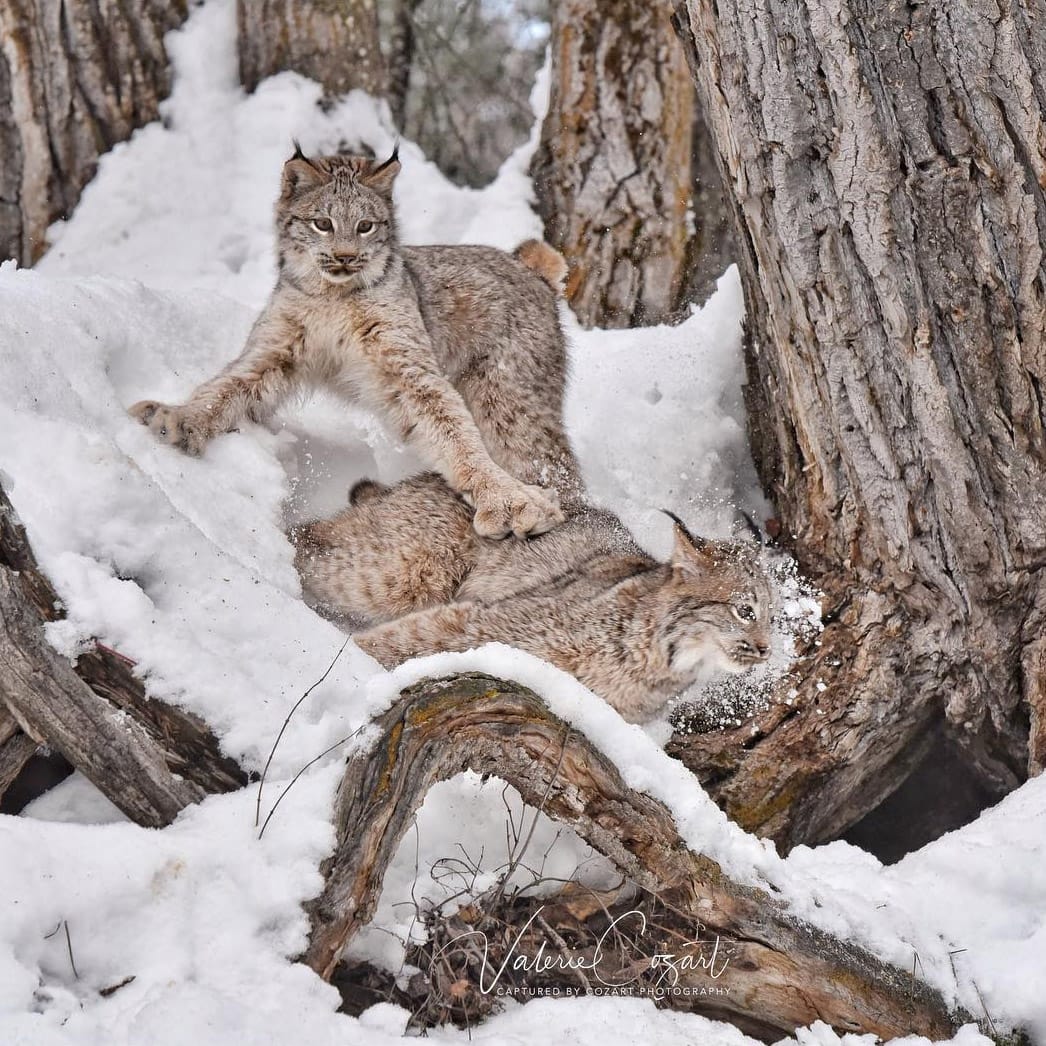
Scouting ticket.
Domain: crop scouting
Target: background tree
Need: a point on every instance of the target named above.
(886, 163)
(76, 77)
(612, 174)
(462, 73)
(335, 42)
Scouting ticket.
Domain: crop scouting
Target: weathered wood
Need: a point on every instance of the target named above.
(612, 173)
(334, 42)
(76, 77)
(149, 758)
(782, 973)
(16, 749)
(887, 164)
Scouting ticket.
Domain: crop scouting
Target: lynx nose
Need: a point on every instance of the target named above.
(346, 258)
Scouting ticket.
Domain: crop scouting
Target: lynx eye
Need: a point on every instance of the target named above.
(746, 612)
(365, 228)
(323, 225)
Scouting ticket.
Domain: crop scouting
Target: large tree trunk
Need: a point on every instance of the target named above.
(76, 77)
(334, 42)
(887, 164)
(612, 173)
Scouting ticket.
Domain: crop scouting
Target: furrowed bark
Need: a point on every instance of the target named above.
(334, 42)
(16, 749)
(886, 164)
(148, 758)
(76, 77)
(612, 173)
(782, 973)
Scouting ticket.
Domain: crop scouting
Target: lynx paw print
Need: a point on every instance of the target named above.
(516, 509)
(173, 425)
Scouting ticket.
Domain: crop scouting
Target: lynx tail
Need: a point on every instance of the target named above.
(546, 261)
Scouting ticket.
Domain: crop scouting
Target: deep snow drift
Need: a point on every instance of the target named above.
(182, 564)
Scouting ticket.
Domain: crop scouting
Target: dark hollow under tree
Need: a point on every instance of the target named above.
(886, 163)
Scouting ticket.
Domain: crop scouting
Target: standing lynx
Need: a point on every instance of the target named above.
(459, 348)
(584, 597)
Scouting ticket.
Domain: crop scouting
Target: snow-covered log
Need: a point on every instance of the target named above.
(147, 757)
(781, 974)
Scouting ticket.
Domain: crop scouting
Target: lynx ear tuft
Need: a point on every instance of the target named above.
(689, 549)
(381, 178)
(300, 173)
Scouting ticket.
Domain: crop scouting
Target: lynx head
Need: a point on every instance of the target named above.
(334, 218)
(716, 607)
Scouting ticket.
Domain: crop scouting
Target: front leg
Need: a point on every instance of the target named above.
(249, 387)
(408, 387)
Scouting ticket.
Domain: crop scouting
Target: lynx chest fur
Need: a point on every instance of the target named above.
(458, 349)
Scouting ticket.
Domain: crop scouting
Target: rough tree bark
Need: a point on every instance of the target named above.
(402, 46)
(887, 165)
(612, 173)
(334, 42)
(147, 757)
(76, 77)
(781, 973)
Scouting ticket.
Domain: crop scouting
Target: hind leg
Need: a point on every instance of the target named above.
(392, 551)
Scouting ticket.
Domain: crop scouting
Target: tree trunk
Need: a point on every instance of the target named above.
(612, 173)
(334, 42)
(402, 46)
(76, 77)
(887, 163)
(440, 728)
(149, 758)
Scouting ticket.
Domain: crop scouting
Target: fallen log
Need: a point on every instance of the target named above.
(149, 758)
(780, 973)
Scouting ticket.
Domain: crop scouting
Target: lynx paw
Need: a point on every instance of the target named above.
(175, 425)
(516, 509)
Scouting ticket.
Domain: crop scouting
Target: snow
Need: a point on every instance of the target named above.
(183, 565)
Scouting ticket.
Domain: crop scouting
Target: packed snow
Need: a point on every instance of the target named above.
(183, 565)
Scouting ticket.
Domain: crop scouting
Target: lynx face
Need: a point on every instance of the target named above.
(716, 607)
(335, 220)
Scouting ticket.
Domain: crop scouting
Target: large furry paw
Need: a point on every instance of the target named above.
(515, 508)
(178, 426)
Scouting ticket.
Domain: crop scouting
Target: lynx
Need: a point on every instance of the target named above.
(583, 596)
(459, 348)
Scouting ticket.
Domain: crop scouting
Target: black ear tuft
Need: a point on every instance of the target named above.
(683, 530)
(753, 528)
(394, 158)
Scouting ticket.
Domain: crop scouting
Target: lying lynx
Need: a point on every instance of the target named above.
(584, 596)
(458, 347)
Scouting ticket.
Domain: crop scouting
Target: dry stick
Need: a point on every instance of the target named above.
(286, 722)
(294, 779)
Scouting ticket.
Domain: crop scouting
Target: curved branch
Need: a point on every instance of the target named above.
(782, 973)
